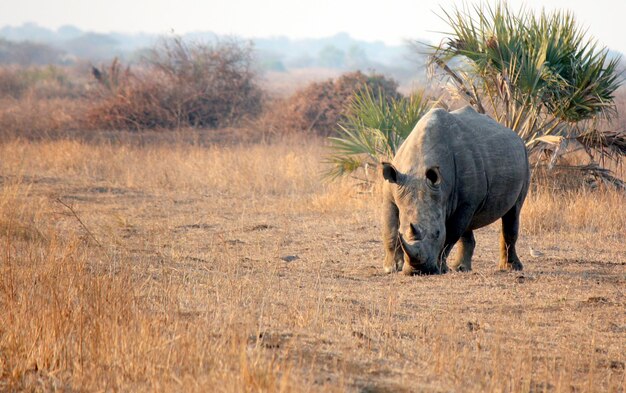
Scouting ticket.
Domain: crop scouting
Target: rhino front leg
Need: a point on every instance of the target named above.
(394, 258)
(463, 261)
(456, 229)
(510, 229)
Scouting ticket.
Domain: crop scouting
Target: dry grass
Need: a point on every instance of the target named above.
(32, 117)
(166, 275)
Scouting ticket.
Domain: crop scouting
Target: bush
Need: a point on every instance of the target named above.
(180, 85)
(320, 106)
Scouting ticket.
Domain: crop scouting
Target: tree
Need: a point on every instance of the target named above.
(537, 74)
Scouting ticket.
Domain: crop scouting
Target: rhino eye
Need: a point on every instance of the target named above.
(433, 176)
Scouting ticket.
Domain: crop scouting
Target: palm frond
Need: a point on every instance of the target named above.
(373, 130)
(536, 73)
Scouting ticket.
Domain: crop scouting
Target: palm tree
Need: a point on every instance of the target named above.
(537, 74)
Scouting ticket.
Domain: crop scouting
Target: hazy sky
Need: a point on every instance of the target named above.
(392, 21)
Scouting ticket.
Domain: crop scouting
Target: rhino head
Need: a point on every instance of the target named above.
(420, 195)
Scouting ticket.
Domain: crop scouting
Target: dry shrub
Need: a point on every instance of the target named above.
(134, 103)
(32, 117)
(319, 106)
(179, 85)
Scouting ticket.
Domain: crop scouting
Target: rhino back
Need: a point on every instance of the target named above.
(497, 156)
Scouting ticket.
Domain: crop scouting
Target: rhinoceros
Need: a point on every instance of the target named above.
(456, 172)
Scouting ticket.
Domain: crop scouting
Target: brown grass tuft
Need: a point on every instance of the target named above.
(582, 211)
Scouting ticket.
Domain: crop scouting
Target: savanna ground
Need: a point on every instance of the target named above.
(182, 266)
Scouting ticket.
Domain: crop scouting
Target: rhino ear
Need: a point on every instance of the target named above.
(390, 173)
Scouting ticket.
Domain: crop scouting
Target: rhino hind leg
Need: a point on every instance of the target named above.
(510, 229)
(463, 260)
(394, 257)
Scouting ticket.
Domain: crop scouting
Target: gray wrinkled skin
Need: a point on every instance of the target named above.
(456, 172)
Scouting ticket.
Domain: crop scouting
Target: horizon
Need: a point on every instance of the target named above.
(284, 19)
(192, 32)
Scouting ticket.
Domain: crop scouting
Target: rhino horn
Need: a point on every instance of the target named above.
(416, 233)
